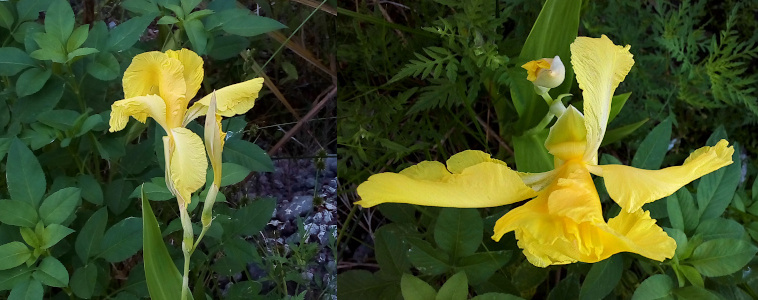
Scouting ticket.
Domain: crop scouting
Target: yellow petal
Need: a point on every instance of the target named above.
(460, 161)
(567, 138)
(193, 70)
(599, 66)
(188, 162)
(486, 184)
(534, 67)
(631, 187)
(231, 100)
(214, 140)
(642, 235)
(140, 108)
(156, 73)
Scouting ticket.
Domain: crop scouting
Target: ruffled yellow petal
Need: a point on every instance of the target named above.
(486, 184)
(567, 139)
(460, 161)
(156, 73)
(188, 163)
(140, 108)
(642, 235)
(599, 66)
(232, 100)
(193, 70)
(631, 187)
(214, 140)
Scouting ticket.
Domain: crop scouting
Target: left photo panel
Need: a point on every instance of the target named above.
(168, 149)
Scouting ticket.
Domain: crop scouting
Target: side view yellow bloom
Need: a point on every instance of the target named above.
(564, 222)
(160, 85)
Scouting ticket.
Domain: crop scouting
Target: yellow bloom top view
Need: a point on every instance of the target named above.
(160, 86)
(563, 223)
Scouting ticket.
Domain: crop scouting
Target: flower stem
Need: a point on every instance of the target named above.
(186, 245)
(207, 217)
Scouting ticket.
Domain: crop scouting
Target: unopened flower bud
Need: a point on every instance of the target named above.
(546, 72)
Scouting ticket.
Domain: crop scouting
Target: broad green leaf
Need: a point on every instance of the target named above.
(658, 286)
(722, 256)
(189, 5)
(197, 35)
(28, 108)
(9, 278)
(361, 284)
(602, 278)
(122, 240)
(567, 288)
(155, 190)
(77, 38)
(616, 134)
(458, 231)
(531, 154)
(50, 48)
(163, 278)
(222, 17)
(62, 119)
(124, 35)
(455, 288)
(653, 148)
(29, 289)
(81, 52)
(31, 81)
(51, 272)
(480, 266)
(527, 276)
(427, 259)
(6, 16)
(617, 103)
(237, 254)
(554, 30)
(695, 292)
(167, 20)
(497, 296)
(716, 190)
(720, 228)
(14, 60)
(692, 275)
(675, 212)
(228, 46)
(83, 281)
(231, 174)
(251, 25)
(681, 241)
(104, 67)
(59, 20)
(13, 254)
(17, 213)
(98, 36)
(91, 189)
(29, 9)
(142, 7)
(53, 234)
(416, 289)
(88, 240)
(244, 290)
(251, 218)
(196, 15)
(117, 195)
(248, 155)
(24, 176)
(30, 237)
(60, 205)
(390, 250)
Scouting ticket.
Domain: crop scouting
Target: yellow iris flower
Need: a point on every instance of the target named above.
(564, 222)
(160, 85)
